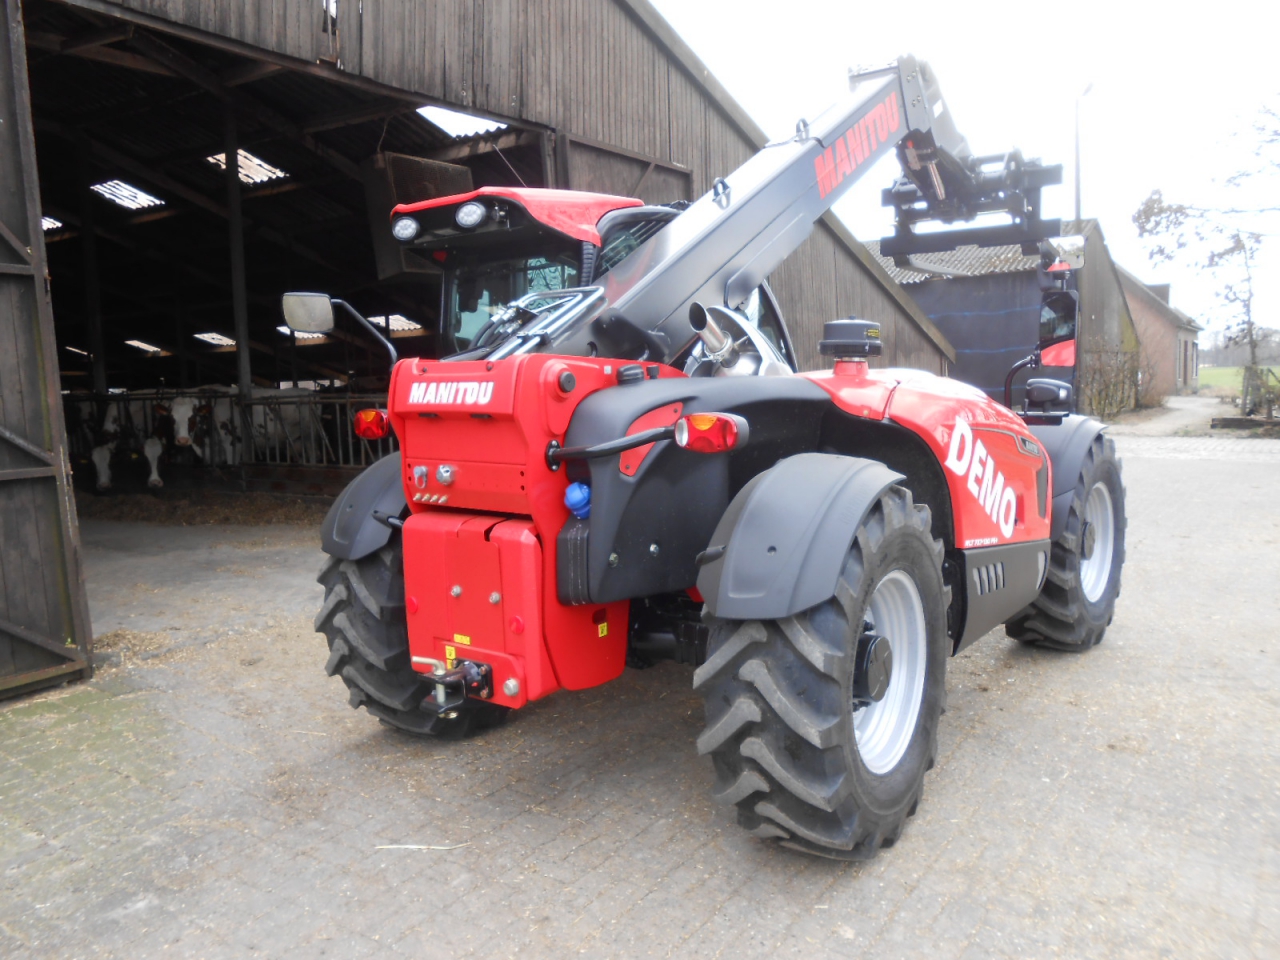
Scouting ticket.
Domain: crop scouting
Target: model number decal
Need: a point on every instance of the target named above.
(474, 392)
(969, 456)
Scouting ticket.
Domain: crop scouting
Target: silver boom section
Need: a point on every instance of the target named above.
(732, 238)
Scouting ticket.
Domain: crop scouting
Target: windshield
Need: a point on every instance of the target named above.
(480, 291)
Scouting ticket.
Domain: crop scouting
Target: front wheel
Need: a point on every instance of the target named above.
(363, 620)
(1078, 598)
(822, 725)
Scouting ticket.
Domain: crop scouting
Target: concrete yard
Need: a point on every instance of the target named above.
(210, 794)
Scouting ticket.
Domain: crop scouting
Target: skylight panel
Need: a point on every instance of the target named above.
(126, 195)
(217, 339)
(252, 169)
(145, 347)
(83, 353)
(399, 324)
(457, 124)
(49, 223)
(300, 334)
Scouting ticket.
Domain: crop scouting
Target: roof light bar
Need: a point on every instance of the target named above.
(457, 124)
(126, 195)
(301, 334)
(146, 347)
(217, 339)
(399, 323)
(250, 168)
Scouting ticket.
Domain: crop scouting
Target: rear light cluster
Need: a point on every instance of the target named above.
(710, 432)
(372, 424)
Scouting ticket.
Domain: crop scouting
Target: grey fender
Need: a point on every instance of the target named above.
(782, 543)
(1066, 445)
(352, 528)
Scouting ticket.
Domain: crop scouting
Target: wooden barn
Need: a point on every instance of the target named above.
(169, 168)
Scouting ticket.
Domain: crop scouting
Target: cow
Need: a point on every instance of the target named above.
(121, 431)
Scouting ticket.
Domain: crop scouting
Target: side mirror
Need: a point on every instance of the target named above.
(1046, 394)
(308, 312)
(1058, 310)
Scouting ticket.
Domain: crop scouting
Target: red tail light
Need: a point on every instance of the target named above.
(372, 424)
(711, 432)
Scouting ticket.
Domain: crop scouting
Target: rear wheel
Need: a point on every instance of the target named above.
(1078, 598)
(822, 725)
(363, 620)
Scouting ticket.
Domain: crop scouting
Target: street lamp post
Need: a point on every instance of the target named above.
(1083, 94)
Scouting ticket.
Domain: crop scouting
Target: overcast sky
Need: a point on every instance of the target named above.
(1174, 98)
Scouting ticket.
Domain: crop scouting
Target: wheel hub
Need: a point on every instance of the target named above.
(874, 668)
(1089, 536)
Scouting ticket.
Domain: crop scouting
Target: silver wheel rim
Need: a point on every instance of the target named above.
(883, 730)
(1095, 570)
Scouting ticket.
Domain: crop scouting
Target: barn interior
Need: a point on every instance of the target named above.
(166, 267)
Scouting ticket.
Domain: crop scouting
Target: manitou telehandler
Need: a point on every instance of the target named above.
(621, 462)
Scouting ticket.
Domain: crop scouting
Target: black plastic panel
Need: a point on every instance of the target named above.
(998, 582)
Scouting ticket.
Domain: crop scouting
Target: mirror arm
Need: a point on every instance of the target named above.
(371, 328)
(1032, 362)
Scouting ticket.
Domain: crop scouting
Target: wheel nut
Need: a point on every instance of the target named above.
(512, 687)
(456, 591)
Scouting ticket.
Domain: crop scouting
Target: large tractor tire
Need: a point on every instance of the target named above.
(800, 743)
(363, 620)
(1078, 598)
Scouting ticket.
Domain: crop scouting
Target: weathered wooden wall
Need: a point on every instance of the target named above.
(610, 71)
(44, 621)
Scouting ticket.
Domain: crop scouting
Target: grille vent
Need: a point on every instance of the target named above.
(988, 578)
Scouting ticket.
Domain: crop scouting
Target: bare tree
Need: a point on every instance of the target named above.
(1221, 240)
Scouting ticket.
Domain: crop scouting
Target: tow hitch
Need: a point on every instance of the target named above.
(452, 687)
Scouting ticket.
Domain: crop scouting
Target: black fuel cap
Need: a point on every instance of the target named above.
(630, 373)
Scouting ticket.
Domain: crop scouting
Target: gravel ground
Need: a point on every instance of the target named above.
(209, 793)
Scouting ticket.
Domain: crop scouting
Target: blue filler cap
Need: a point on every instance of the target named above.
(578, 499)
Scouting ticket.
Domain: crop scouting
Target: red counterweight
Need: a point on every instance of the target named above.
(480, 566)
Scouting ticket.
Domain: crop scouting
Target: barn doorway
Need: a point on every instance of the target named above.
(166, 267)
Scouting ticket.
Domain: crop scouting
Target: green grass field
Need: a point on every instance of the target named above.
(1227, 378)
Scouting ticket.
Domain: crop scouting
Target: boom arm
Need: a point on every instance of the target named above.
(731, 239)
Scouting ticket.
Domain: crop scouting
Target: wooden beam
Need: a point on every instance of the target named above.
(28, 473)
(53, 42)
(239, 292)
(89, 265)
(26, 446)
(248, 72)
(361, 113)
(97, 38)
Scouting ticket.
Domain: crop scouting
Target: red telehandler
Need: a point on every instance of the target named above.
(621, 462)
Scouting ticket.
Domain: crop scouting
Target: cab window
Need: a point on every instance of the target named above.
(480, 291)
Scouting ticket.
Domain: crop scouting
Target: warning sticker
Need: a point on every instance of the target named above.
(450, 654)
(462, 639)
(603, 629)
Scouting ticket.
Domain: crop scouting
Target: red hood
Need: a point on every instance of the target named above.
(569, 211)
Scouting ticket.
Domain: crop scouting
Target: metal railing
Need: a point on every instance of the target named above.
(284, 429)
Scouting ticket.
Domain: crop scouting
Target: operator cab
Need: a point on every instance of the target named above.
(499, 244)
